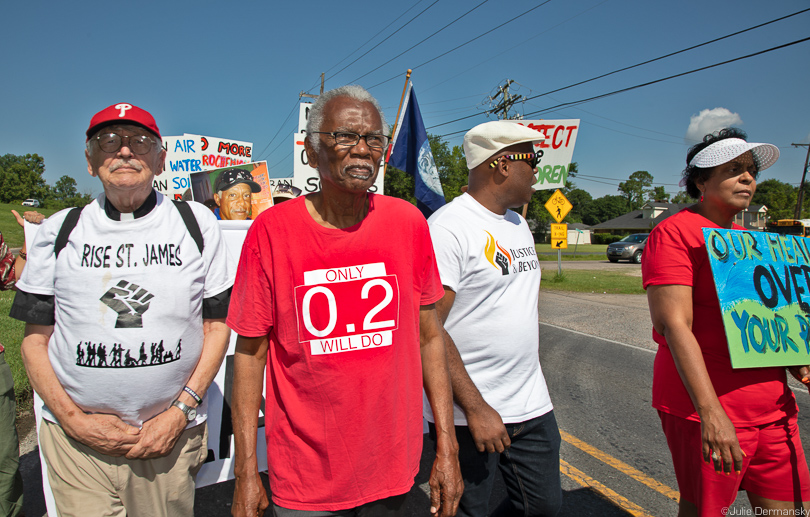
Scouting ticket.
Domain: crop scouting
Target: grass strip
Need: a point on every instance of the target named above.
(591, 281)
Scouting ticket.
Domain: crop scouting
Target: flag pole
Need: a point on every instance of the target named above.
(399, 109)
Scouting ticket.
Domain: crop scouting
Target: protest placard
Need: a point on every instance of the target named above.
(556, 141)
(204, 189)
(763, 284)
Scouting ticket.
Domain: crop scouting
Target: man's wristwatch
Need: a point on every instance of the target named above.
(190, 412)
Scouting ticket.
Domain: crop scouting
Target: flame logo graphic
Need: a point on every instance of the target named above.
(496, 255)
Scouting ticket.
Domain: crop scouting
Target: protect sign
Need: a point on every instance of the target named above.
(763, 284)
(556, 141)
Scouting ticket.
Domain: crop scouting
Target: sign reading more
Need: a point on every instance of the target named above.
(559, 236)
(558, 206)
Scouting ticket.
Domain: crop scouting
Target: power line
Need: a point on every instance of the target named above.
(385, 39)
(354, 81)
(279, 130)
(372, 38)
(589, 99)
(465, 43)
(537, 35)
(670, 54)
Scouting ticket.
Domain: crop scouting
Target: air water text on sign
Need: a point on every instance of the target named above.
(763, 284)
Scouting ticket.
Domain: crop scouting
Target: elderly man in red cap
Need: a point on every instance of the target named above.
(125, 303)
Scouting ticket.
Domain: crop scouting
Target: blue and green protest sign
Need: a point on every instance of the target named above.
(763, 283)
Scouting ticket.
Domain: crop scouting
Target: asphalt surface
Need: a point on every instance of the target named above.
(596, 351)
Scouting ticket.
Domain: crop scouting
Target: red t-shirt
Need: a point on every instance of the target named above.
(676, 254)
(343, 411)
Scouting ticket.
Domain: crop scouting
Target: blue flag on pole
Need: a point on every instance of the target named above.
(410, 152)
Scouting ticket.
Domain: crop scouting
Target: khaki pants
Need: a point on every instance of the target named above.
(86, 482)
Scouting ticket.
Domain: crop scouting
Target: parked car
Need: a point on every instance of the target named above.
(630, 248)
(31, 202)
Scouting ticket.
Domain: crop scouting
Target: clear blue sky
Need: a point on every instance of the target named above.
(235, 70)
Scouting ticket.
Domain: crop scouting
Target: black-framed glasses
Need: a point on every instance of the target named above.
(350, 139)
(112, 142)
(532, 159)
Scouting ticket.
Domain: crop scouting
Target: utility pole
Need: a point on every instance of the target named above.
(798, 213)
(501, 108)
(303, 94)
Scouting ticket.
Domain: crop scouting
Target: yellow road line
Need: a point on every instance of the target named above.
(587, 481)
(621, 466)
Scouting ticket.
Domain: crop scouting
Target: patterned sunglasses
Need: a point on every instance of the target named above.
(532, 159)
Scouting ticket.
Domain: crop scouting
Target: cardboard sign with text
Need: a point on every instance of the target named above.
(556, 141)
(763, 284)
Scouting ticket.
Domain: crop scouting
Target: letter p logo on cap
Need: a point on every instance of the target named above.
(123, 107)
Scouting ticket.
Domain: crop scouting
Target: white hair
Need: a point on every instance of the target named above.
(352, 91)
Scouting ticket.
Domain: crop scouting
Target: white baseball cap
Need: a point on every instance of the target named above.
(485, 140)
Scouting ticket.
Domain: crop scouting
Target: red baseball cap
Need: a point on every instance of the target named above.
(123, 112)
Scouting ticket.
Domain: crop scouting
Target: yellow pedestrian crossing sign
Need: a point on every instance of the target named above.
(559, 236)
(558, 206)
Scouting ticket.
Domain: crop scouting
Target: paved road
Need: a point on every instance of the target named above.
(597, 357)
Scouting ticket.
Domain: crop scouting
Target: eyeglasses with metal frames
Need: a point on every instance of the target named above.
(112, 142)
(351, 139)
(532, 159)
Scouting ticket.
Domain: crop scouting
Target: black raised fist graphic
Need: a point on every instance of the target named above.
(130, 302)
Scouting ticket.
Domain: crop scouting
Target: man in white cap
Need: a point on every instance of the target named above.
(491, 277)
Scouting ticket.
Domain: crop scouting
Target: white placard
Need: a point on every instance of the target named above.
(557, 140)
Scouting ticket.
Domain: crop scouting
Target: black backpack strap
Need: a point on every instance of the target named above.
(192, 225)
(64, 232)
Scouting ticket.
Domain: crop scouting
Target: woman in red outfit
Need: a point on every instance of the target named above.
(726, 429)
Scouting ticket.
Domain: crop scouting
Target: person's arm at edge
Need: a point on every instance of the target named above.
(249, 360)
(485, 424)
(671, 312)
(35, 218)
(160, 433)
(107, 434)
(446, 484)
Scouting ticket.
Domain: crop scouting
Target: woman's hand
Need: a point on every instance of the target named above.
(801, 373)
(720, 445)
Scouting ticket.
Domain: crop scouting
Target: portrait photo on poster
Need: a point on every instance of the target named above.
(237, 193)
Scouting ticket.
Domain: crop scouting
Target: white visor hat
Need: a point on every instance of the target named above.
(726, 150)
(487, 139)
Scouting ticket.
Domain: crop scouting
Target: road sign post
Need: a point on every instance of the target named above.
(559, 206)
(559, 240)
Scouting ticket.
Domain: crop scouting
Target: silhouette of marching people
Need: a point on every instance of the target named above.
(95, 355)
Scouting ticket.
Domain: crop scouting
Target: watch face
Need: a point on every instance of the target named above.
(192, 414)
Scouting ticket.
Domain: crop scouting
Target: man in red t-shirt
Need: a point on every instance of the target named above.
(334, 299)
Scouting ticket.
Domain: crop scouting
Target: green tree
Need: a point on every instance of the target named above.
(636, 187)
(580, 199)
(21, 178)
(779, 197)
(450, 164)
(603, 209)
(65, 188)
(658, 194)
(682, 197)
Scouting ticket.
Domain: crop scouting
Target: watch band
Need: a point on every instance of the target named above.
(187, 410)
